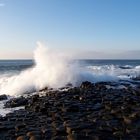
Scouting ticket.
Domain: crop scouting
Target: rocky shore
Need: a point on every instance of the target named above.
(101, 111)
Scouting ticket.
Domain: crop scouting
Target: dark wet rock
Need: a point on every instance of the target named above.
(34, 138)
(35, 98)
(125, 67)
(73, 108)
(97, 106)
(20, 126)
(20, 138)
(118, 134)
(101, 86)
(59, 138)
(71, 137)
(136, 78)
(37, 108)
(6, 127)
(44, 89)
(16, 102)
(91, 111)
(3, 97)
(127, 120)
(86, 85)
(60, 130)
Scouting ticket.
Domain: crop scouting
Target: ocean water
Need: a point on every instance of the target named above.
(120, 62)
(19, 76)
(102, 70)
(55, 70)
(9, 66)
(16, 66)
(130, 68)
(118, 68)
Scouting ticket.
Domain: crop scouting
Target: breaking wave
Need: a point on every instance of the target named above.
(55, 70)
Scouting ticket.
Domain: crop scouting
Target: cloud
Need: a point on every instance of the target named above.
(2, 4)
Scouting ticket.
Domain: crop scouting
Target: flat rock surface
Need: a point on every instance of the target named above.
(88, 112)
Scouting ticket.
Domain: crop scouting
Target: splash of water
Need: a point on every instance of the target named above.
(51, 70)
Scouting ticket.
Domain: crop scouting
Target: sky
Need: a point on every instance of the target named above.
(99, 29)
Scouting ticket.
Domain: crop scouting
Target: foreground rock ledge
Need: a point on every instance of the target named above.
(88, 112)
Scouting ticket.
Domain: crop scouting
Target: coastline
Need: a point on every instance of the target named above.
(88, 112)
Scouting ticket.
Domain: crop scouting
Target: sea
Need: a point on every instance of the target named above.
(19, 76)
(16, 66)
(116, 68)
(99, 68)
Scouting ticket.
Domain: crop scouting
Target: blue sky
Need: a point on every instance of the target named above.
(85, 28)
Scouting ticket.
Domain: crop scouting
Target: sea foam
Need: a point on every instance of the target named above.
(51, 69)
